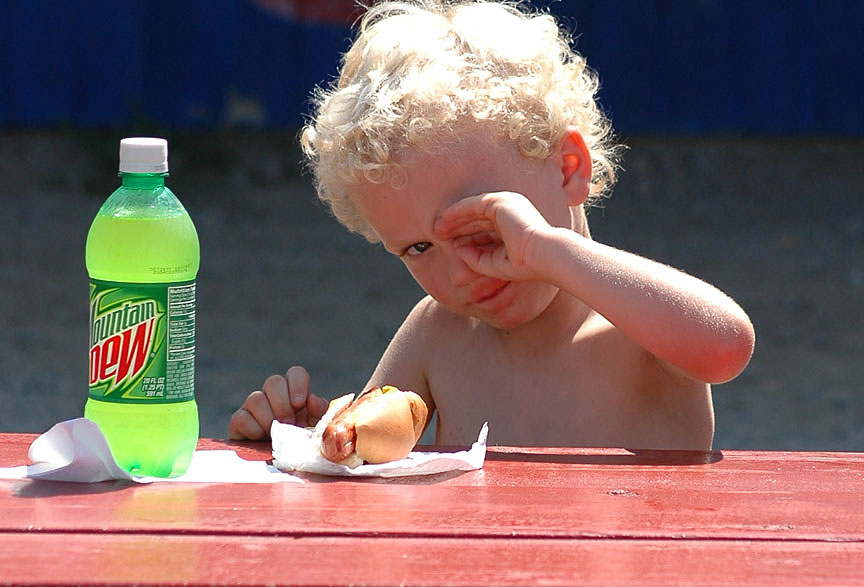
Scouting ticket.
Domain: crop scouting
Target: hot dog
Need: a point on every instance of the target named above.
(381, 425)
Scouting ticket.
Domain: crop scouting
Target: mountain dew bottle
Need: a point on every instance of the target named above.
(142, 256)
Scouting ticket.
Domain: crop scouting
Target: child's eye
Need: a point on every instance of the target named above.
(417, 249)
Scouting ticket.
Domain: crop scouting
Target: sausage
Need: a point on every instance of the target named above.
(382, 424)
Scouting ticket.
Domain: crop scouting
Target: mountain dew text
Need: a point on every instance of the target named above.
(121, 341)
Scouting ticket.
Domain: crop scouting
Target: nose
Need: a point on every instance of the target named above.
(458, 271)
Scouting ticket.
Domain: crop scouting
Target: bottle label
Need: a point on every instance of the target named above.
(142, 342)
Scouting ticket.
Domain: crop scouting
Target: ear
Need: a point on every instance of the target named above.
(575, 167)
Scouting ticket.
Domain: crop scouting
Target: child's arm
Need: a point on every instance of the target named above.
(403, 363)
(680, 319)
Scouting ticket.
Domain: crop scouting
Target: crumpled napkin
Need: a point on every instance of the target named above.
(76, 450)
(294, 450)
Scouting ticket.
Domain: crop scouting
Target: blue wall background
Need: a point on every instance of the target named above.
(689, 66)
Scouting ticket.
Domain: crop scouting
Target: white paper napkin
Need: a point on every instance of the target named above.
(76, 450)
(294, 450)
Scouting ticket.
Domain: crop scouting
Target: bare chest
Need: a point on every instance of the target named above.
(594, 387)
(583, 397)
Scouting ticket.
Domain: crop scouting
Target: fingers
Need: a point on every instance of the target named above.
(486, 241)
(316, 407)
(307, 407)
(466, 217)
(480, 250)
(298, 386)
(243, 426)
(278, 398)
(282, 398)
(253, 419)
(489, 213)
(464, 225)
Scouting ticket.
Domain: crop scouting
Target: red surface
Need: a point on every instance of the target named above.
(156, 559)
(531, 515)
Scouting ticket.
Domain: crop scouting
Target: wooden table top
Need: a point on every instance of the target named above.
(531, 515)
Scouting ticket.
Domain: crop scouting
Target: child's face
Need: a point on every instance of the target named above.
(404, 218)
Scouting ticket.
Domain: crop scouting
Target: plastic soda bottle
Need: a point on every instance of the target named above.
(142, 256)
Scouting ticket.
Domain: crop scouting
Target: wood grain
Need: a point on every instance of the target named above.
(530, 516)
(176, 559)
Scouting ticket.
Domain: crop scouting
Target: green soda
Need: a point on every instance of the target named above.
(142, 257)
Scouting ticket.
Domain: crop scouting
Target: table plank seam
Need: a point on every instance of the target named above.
(442, 535)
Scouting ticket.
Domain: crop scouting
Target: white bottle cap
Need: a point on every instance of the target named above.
(143, 155)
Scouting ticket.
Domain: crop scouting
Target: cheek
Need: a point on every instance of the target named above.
(552, 203)
(424, 278)
(533, 299)
(556, 213)
(435, 283)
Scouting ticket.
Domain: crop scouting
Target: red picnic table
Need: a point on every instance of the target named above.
(530, 516)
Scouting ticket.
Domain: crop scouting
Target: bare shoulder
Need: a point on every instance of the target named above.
(429, 325)
(415, 346)
(427, 322)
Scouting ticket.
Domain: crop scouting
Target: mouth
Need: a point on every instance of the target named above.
(487, 293)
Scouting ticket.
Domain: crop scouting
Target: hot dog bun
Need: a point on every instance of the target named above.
(381, 425)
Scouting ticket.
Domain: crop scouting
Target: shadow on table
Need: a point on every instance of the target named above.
(39, 488)
(619, 457)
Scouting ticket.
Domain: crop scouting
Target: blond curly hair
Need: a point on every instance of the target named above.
(419, 68)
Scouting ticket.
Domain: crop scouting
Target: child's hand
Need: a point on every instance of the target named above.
(494, 233)
(286, 399)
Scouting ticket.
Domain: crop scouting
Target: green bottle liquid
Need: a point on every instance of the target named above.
(142, 257)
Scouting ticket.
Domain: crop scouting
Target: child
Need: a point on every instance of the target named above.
(464, 136)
